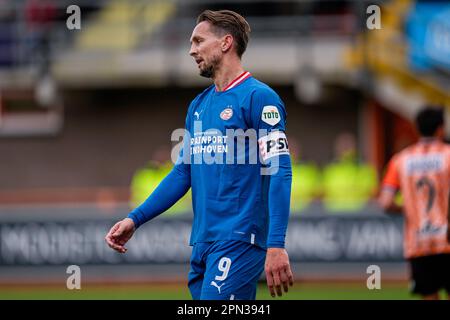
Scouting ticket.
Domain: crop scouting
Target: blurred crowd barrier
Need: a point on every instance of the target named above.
(64, 241)
(345, 187)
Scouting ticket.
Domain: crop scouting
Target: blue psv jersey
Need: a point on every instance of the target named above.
(230, 198)
(238, 191)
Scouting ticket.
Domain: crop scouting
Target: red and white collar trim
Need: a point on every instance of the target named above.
(237, 81)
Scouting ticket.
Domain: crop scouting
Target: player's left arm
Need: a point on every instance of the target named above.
(269, 117)
(277, 266)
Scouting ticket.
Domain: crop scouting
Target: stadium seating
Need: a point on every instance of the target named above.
(121, 24)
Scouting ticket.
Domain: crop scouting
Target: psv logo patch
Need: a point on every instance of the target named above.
(226, 114)
(270, 115)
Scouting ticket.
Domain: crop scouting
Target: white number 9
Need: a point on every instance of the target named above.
(224, 266)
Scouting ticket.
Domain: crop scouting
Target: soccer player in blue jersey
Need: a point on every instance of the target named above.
(240, 202)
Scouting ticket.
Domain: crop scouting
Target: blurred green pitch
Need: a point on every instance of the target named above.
(300, 291)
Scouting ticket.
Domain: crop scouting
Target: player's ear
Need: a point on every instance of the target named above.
(227, 43)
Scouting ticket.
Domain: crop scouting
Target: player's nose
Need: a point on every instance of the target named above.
(192, 51)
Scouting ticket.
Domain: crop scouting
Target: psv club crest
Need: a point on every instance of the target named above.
(226, 114)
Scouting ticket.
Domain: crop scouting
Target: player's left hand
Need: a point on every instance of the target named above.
(278, 271)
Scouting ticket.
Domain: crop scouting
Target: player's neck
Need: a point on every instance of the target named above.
(428, 139)
(439, 135)
(226, 74)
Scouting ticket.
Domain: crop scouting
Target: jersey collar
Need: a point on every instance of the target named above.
(428, 139)
(236, 81)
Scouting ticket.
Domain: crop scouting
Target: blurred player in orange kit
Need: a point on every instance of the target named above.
(421, 173)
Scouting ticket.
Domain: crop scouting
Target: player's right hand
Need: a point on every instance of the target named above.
(119, 234)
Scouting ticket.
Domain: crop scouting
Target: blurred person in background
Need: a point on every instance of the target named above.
(240, 214)
(421, 173)
(40, 17)
(7, 34)
(305, 180)
(348, 184)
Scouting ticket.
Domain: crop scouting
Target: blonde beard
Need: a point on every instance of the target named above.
(210, 70)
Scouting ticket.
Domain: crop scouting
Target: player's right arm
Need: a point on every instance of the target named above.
(172, 188)
(448, 219)
(389, 189)
(448, 209)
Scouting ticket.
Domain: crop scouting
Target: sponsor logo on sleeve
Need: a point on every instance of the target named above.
(273, 144)
(270, 115)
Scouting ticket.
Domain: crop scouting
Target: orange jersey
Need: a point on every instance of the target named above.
(422, 174)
